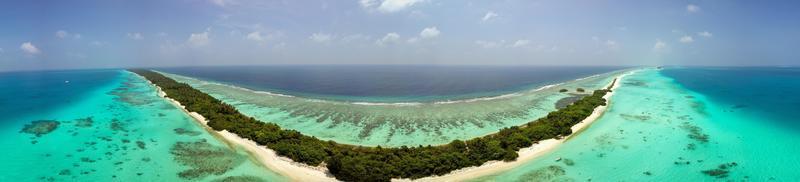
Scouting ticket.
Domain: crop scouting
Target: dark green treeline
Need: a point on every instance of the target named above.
(361, 163)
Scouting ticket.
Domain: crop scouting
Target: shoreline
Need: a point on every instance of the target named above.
(529, 153)
(301, 172)
(268, 158)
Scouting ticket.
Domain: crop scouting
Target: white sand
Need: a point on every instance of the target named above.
(284, 166)
(301, 172)
(525, 154)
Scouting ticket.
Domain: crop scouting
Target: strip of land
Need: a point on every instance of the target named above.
(267, 157)
(529, 153)
(307, 158)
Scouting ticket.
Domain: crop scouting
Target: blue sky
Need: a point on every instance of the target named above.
(114, 33)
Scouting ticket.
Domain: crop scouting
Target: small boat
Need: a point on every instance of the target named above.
(558, 159)
(67, 81)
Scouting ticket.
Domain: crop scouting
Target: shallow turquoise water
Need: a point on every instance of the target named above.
(397, 124)
(111, 127)
(657, 130)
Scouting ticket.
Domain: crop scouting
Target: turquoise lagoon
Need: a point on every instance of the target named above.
(107, 125)
(399, 123)
(685, 124)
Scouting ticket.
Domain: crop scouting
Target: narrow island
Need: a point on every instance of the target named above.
(363, 163)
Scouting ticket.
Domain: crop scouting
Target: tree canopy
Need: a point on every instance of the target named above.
(363, 163)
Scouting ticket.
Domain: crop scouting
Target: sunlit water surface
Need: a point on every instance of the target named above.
(106, 125)
(409, 123)
(685, 124)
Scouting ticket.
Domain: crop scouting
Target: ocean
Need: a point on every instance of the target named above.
(685, 124)
(676, 123)
(768, 92)
(107, 125)
(376, 83)
(402, 105)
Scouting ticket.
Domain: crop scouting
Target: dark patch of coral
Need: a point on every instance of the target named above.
(695, 132)
(182, 131)
(204, 159)
(244, 178)
(40, 127)
(84, 122)
(722, 171)
(549, 173)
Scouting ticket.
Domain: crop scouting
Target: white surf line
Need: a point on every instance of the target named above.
(457, 101)
(269, 158)
(528, 153)
(302, 172)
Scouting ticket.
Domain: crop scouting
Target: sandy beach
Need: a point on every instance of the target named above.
(267, 157)
(301, 172)
(525, 154)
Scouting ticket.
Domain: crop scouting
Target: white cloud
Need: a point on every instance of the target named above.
(489, 44)
(388, 39)
(612, 45)
(426, 33)
(259, 36)
(162, 34)
(660, 46)
(396, 5)
(502, 43)
(256, 36)
(705, 34)
(62, 34)
(686, 39)
(430, 32)
(198, 39)
(388, 6)
(135, 36)
(320, 37)
(368, 3)
(521, 43)
(553, 49)
(1, 50)
(355, 38)
(489, 15)
(222, 3)
(691, 8)
(595, 38)
(29, 48)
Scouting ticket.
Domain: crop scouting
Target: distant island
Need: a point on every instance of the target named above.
(362, 163)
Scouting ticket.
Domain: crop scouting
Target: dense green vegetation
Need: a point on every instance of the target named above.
(360, 163)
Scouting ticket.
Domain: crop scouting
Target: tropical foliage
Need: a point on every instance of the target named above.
(362, 163)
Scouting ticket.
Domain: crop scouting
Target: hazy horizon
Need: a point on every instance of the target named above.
(102, 34)
(406, 65)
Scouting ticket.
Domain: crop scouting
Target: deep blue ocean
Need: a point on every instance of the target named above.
(751, 119)
(104, 125)
(22, 93)
(389, 83)
(771, 92)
